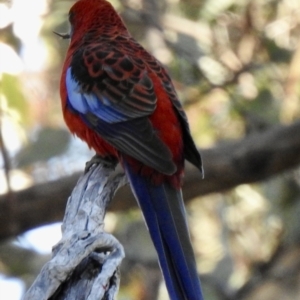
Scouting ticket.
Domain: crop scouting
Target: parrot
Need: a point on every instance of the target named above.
(121, 102)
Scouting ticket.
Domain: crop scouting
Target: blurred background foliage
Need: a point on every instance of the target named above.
(236, 68)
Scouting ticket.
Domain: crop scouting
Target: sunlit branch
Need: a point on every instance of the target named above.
(86, 261)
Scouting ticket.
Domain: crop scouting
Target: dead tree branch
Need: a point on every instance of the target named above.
(86, 260)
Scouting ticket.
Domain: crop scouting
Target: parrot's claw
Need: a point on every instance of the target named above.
(108, 162)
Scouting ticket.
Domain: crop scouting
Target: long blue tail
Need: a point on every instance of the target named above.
(164, 213)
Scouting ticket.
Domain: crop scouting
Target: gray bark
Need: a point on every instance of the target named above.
(85, 262)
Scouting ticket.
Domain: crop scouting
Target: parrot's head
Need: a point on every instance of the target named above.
(98, 16)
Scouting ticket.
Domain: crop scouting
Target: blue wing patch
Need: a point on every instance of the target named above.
(85, 103)
(121, 126)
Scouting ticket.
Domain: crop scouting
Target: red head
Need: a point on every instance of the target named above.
(90, 15)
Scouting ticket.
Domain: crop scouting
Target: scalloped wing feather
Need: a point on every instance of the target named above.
(117, 104)
(115, 79)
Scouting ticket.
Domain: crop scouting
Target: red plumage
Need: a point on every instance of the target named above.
(100, 33)
(120, 100)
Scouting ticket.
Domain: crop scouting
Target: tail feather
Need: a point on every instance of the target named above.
(164, 213)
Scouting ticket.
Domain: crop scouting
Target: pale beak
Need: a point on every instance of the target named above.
(63, 35)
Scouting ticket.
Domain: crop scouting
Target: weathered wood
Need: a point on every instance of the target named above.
(85, 262)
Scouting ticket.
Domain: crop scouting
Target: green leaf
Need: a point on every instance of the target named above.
(11, 89)
(276, 53)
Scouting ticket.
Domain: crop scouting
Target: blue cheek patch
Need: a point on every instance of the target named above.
(85, 103)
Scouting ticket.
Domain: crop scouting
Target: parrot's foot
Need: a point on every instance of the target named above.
(109, 162)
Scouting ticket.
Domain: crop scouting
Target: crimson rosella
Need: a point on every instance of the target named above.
(120, 100)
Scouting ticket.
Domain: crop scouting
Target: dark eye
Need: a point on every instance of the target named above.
(71, 16)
